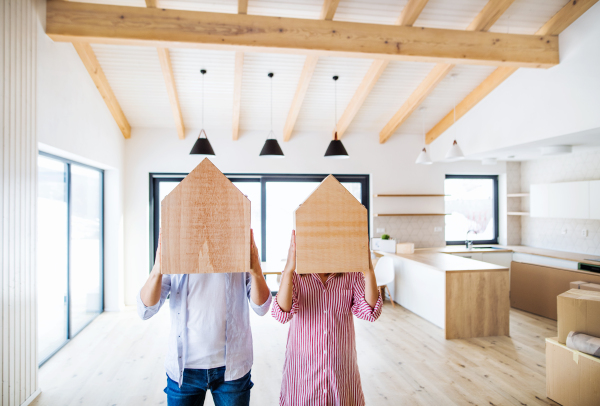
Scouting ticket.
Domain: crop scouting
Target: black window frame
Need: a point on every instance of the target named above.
(496, 209)
(70, 162)
(263, 178)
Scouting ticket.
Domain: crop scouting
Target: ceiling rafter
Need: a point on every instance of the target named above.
(310, 63)
(557, 24)
(492, 11)
(237, 81)
(71, 21)
(86, 53)
(407, 17)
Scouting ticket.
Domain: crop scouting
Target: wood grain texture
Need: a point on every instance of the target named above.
(482, 22)
(167, 70)
(237, 93)
(205, 225)
(86, 53)
(534, 288)
(477, 304)
(557, 24)
(242, 6)
(331, 231)
(307, 71)
(448, 263)
(150, 3)
(409, 15)
(70, 21)
(328, 9)
(569, 256)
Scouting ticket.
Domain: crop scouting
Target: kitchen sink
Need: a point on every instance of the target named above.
(486, 248)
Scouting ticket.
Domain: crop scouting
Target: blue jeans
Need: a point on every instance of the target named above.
(197, 381)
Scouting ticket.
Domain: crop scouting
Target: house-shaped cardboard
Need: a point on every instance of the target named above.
(331, 231)
(205, 225)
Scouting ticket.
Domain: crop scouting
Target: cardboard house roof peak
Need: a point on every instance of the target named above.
(329, 184)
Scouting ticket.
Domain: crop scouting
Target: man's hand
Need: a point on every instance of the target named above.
(255, 268)
(150, 293)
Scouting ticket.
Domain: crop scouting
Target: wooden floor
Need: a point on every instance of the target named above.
(403, 360)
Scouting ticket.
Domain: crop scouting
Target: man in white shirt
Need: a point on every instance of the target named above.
(210, 344)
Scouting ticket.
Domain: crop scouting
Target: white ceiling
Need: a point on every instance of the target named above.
(135, 76)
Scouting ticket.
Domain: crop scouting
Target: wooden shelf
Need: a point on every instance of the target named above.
(385, 195)
(412, 214)
(518, 213)
(517, 195)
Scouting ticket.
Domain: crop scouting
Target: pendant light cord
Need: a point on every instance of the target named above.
(271, 105)
(335, 104)
(203, 101)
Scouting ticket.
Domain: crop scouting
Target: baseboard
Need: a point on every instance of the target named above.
(32, 397)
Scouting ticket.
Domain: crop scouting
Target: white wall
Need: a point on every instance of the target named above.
(390, 165)
(535, 104)
(73, 122)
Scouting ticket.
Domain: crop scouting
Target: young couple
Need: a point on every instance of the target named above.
(210, 344)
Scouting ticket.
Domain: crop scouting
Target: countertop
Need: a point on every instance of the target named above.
(447, 263)
(569, 256)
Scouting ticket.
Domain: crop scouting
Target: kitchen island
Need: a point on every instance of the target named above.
(465, 297)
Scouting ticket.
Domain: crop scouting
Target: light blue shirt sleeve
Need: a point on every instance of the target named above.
(262, 309)
(145, 312)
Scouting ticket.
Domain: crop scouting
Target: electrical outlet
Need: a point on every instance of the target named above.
(381, 230)
(563, 231)
(437, 229)
(584, 233)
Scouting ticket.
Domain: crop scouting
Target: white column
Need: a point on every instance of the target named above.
(18, 173)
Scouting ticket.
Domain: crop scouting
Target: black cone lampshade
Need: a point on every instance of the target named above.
(271, 149)
(336, 149)
(202, 146)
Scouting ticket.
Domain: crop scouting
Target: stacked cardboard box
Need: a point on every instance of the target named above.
(572, 377)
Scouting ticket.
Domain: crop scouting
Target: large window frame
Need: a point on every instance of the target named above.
(70, 162)
(263, 178)
(494, 178)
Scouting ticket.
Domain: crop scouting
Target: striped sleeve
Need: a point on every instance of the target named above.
(278, 313)
(360, 307)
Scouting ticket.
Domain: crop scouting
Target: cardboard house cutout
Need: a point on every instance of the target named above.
(331, 231)
(205, 225)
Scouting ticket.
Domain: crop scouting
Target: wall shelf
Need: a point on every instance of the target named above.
(518, 213)
(412, 214)
(517, 195)
(389, 195)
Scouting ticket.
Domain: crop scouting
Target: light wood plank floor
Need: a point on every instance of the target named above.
(403, 359)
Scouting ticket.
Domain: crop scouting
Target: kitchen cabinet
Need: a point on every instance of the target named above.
(496, 258)
(570, 200)
(534, 288)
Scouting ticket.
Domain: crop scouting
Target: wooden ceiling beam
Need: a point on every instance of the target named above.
(409, 15)
(310, 63)
(242, 6)
(557, 24)
(237, 93)
(151, 3)
(482, 22)
(86, 53)
(167, 70)
(86, 22)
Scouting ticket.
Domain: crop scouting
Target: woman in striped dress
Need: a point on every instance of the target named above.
(320, 361)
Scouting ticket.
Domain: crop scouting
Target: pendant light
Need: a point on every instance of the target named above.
(454, 153)
(271, 149)
(202, 145)
(336, 149)
(423, 158)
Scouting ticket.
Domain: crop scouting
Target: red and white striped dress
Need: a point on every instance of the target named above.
(320, 360)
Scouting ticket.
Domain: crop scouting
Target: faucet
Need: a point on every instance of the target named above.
(469, 243)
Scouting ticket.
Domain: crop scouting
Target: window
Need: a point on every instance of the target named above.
(274, 199)
(70, 250)
(472, 205)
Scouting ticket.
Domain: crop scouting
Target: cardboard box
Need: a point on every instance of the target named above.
(590, 286)
(405, 248)
(578, 310)
(572, 377)
(577, 284)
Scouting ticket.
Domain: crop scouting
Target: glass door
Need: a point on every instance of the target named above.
(52, 255)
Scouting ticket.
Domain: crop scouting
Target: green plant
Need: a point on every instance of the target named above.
(385, 237)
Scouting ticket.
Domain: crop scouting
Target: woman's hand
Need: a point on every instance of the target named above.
(290, 265)
(255, 268)
(371, 270)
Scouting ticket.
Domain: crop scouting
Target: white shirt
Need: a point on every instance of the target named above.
(206, 324)
(238, 353)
